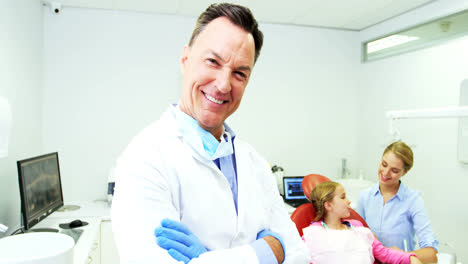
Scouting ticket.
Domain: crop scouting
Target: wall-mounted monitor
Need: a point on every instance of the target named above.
(40, 188)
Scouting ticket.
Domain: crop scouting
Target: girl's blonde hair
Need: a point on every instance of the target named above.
(324, 192)
(403, 152)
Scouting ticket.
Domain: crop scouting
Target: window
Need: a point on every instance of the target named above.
(421, 36)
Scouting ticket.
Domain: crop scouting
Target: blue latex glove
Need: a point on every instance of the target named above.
(265, 233)
(178, 240)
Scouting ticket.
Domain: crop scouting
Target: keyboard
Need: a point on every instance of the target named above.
(296, 203)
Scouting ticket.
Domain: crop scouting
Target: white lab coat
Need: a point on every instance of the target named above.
(159, 176)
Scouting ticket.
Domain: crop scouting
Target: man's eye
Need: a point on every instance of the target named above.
(240, 74)
(212, 61)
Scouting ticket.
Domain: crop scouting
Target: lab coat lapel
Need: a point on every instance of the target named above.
(241, 172)
(249, 202)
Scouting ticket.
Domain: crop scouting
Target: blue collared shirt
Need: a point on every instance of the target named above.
(226, 163)
(399, 219)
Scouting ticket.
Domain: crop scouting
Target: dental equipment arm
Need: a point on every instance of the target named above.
(443, 112)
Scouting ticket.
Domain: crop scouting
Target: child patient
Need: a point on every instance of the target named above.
(333, 239)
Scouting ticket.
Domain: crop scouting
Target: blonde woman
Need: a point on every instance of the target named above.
(333, 239)
(393, 211)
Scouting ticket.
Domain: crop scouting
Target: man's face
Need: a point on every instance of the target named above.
(216, 70)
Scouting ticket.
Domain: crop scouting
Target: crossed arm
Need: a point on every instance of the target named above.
(276, 247)
(183, 245)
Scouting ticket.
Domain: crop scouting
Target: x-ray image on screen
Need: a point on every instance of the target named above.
(40, 188)
(41, 184)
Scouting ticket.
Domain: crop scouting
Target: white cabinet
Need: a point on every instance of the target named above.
(109, 253)
(95, 244)
(94, 255)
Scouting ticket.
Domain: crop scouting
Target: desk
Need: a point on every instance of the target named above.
(95, 244)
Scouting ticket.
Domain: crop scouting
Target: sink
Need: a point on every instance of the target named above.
(353, 187)
(37, 248)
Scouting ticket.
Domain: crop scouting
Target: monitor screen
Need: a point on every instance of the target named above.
(40, 188)
(293, 188)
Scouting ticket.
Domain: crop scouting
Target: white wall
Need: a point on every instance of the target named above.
(21, 83)
(300, 108)
(106, 78)
(422, 79)
(110, 74)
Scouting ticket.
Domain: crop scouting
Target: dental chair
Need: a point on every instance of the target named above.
(305, 213)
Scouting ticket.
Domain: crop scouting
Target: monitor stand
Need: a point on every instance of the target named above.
(53, 230)
(68, 207)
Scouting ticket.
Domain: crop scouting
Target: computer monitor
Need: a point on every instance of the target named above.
(293, 193)
(40, 189)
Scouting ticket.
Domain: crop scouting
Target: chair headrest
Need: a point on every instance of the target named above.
(310, 181)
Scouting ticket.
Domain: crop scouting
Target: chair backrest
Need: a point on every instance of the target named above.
(310, 181)
(305, 213)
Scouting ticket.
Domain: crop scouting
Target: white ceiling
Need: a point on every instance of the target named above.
(341, 14)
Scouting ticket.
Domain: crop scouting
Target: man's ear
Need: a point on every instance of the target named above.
(183, 59)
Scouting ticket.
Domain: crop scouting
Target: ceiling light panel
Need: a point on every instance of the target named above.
(355, 14)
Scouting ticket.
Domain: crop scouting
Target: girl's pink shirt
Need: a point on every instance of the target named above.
(357, 245)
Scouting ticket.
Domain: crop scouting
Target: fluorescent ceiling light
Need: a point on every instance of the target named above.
(387, 42)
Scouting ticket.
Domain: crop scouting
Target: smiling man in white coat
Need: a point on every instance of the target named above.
(187, 189)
